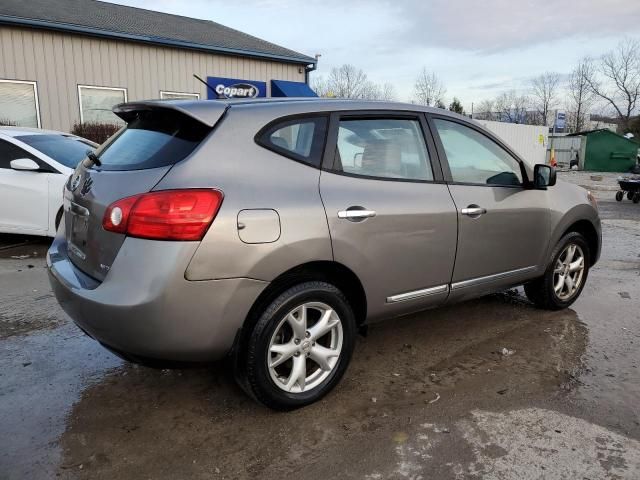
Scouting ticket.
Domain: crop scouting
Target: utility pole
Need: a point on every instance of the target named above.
(552, 153)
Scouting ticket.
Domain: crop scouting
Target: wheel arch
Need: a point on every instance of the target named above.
(58, 218)
(329, 271)
(589, 232)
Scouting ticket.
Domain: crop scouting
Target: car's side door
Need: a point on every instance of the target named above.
(24, 195)
(503, 225)
(391, 218)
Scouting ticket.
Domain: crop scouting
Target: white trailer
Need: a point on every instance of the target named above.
(529, 141)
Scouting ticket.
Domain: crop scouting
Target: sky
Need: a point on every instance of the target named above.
(479, 48)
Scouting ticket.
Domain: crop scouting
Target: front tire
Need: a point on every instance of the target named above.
(299, 348)
(565, 275)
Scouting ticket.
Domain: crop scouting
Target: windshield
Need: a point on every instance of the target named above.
(65, 150)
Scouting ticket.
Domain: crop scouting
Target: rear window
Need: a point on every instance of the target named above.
(65, 150)
(153, 139)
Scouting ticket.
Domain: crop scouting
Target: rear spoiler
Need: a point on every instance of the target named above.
(204, 111)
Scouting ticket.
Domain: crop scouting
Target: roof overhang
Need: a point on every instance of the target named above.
(95, 32)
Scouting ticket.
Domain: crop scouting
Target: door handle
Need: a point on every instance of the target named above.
(473, 211)
(356, 214)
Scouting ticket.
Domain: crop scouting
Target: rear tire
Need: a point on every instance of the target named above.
(636, 197)
(619, 195)
(553, 291)
(629, 195)
(299, 348)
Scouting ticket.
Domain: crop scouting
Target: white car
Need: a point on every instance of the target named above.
(34, 166)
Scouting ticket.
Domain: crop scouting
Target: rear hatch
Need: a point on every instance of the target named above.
(133, 161)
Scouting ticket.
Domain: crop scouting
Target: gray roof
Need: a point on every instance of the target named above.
(209, 112)
(103, 19)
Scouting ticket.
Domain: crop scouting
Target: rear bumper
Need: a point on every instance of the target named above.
(145, 307)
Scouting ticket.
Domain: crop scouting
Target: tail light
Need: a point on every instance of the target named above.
(165, 215)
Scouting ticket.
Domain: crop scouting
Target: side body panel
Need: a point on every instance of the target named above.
(29, 201)
(409, 246)
(569, 204)
(24, 198)
(252, 177)
(502, 247)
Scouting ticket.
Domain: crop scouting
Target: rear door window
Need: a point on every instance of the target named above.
(383, 148)
(153, 139)
(300, 139)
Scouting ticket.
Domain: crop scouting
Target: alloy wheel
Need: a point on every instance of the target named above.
(305, 347)
(568, 272)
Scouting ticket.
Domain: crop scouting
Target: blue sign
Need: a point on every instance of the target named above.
(221, 87)
(561, 120)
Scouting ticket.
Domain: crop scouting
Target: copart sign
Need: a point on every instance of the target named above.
(235, 88)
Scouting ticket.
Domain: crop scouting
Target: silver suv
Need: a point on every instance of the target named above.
(271, 231)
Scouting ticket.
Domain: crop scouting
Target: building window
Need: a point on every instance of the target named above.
(164, 95)
(96, 104)
(19, 103)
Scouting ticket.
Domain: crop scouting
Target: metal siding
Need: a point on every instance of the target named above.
(59, 62)
(565, 149)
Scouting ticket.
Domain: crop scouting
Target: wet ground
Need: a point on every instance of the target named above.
(433, 395)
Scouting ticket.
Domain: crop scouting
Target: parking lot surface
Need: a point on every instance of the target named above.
(491, 388)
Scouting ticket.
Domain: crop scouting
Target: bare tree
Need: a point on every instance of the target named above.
(580, 96)
(319, 85)
(348, 81)
(616, 79)
(485, 110)
(544, 93)
(511, 107)
(387, 93)
(373, 91)
(429, 89)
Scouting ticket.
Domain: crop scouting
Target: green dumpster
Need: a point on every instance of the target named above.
(606, 151)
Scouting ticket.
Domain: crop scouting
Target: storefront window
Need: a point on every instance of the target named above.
(19, 103)
(96, 104)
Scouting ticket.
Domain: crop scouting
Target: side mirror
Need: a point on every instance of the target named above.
(24, 164)
(544, 176)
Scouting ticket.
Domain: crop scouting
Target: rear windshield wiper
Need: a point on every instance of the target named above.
(93, 158)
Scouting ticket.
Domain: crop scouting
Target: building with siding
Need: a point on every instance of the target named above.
(69, 61)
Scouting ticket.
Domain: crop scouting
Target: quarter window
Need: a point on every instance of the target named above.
(96, 104)
(19, 103)
(385, 148)
(474, 158)
(301, 139)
